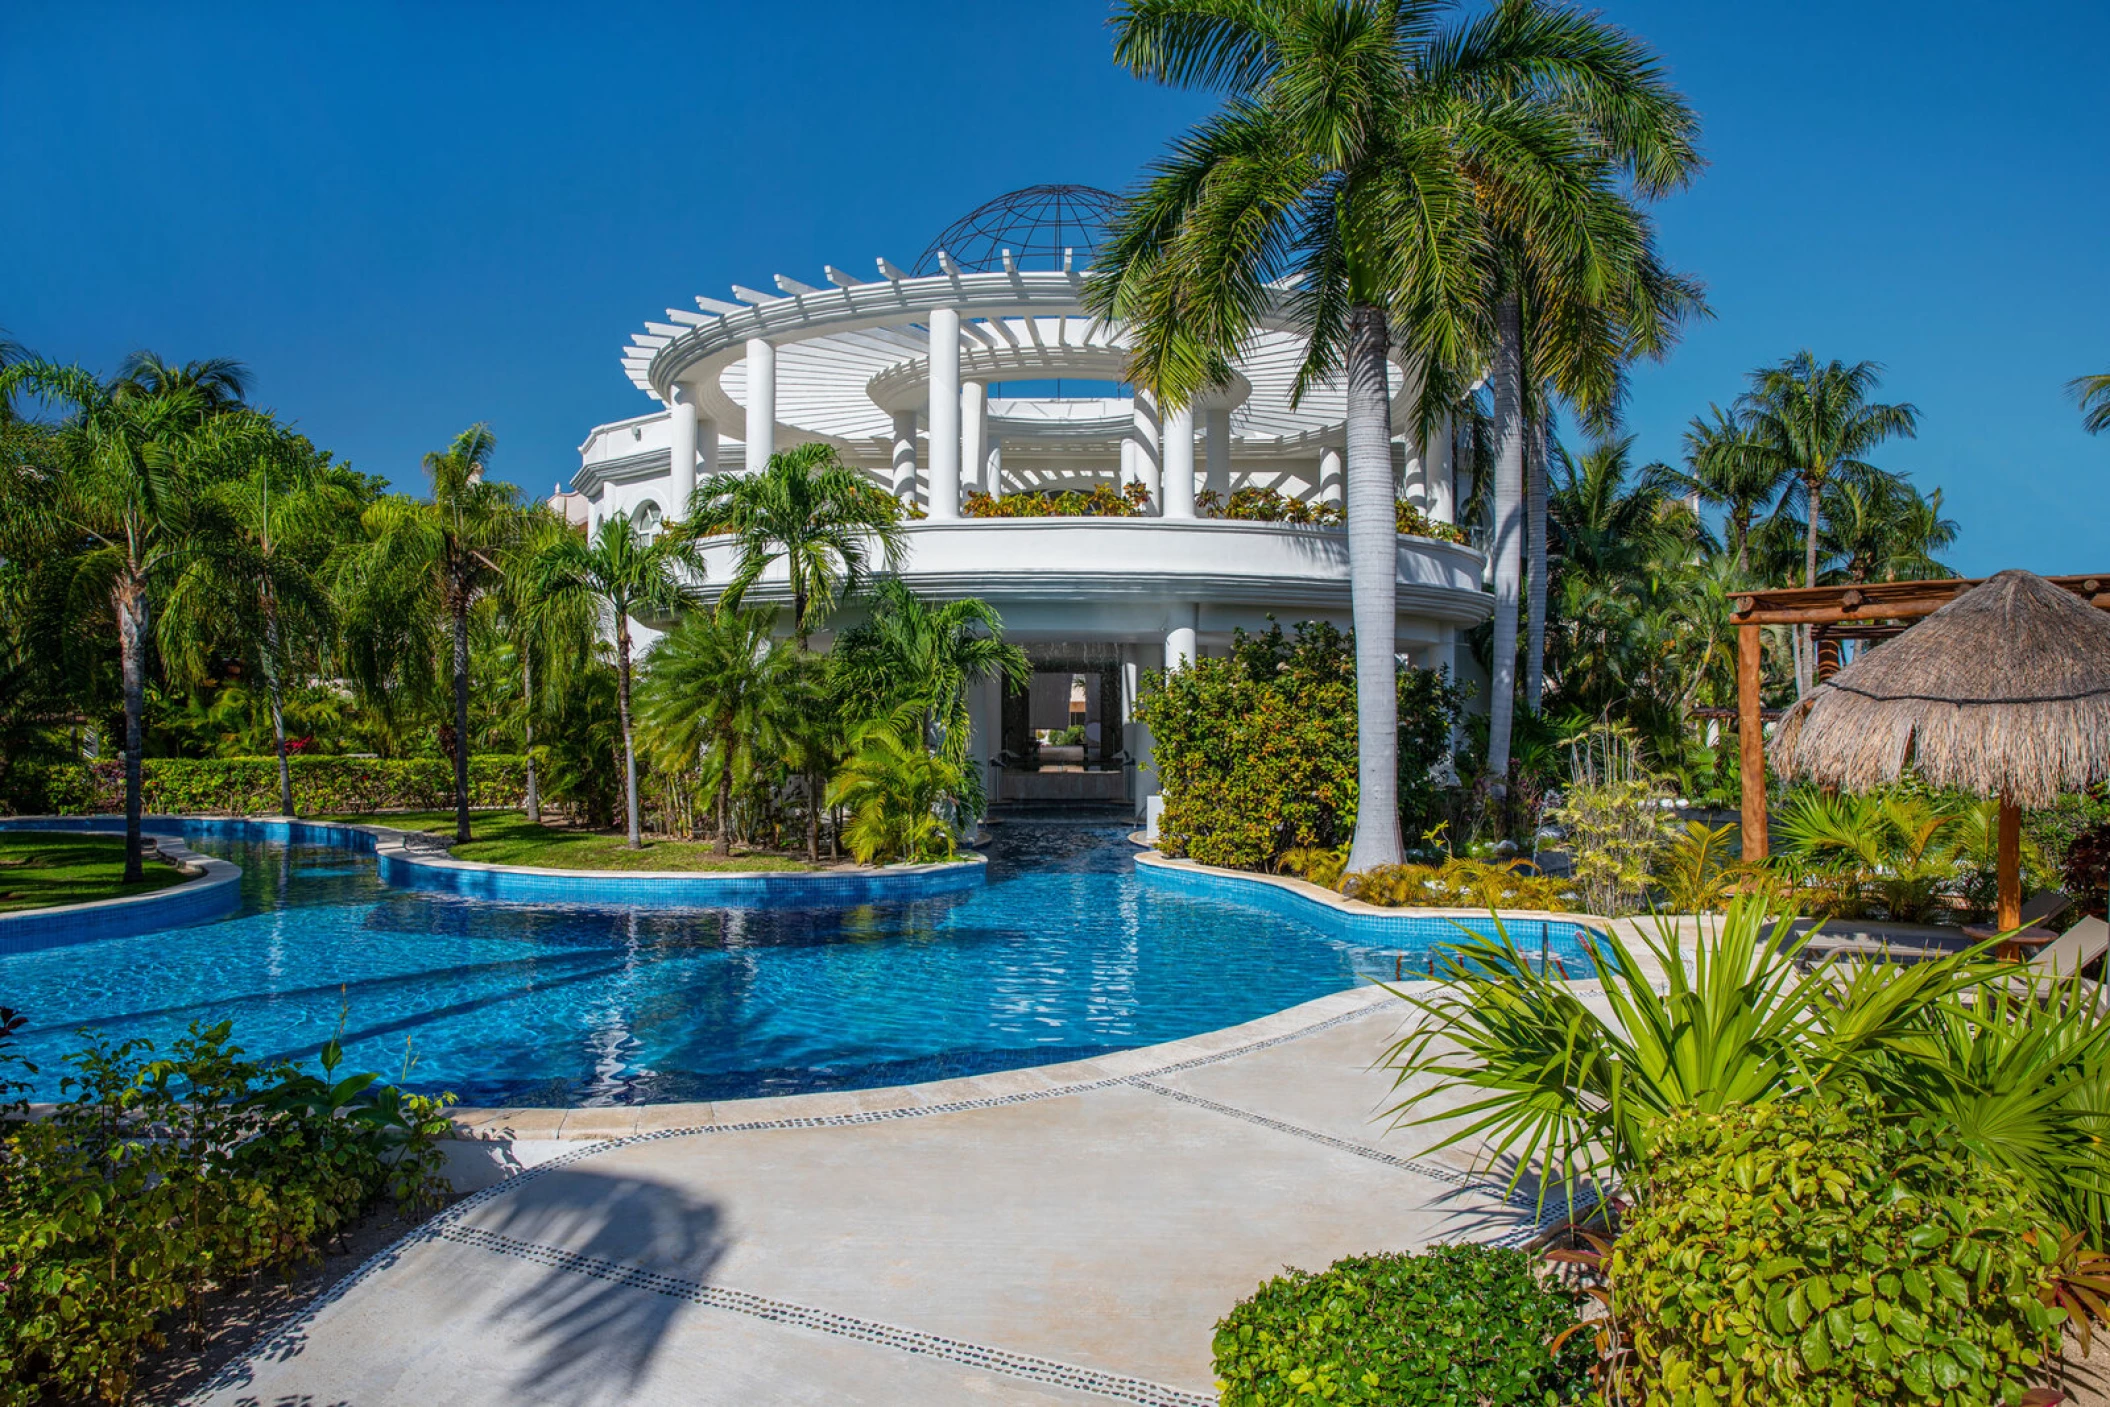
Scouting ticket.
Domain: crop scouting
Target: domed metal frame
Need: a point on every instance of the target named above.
(1036, 224)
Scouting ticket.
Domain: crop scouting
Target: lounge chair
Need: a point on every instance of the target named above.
(2047, 905)
(2042, 908)
(2065, 957)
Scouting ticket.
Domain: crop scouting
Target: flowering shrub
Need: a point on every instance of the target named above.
(1259, 505)
(1460, 884)
(248, 786)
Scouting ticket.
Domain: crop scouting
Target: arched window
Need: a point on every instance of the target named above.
(645, 518)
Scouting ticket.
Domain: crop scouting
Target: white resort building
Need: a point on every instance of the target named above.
(978, 372)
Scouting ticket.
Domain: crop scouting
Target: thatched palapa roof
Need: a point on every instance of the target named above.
(2004, 691)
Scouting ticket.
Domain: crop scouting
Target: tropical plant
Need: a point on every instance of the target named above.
(1463, 1323)
(910, 655)
(1697, 871)
(128, 469)
(1100, 501)
(715, 698)
(1728, 469)
(810, 511)
(904, 801)
(618, 570)
(1615, 829)
(1553, 1084)
(1818, 420)
(1461, 883)
(421, 569)
(2093, 393)
(1899, 851)
(1809, 1252)
(551, 638)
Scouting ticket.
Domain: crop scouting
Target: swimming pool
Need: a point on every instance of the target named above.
(1064, 954)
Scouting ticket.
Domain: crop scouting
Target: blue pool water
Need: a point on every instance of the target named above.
(1065, 953)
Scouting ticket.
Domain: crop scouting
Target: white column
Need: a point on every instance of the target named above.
(1436, 463)
(944, 414)
(681, 453)
(1143, 433)
(706, 448)
(1128, 461)
(993, 474)
(974, 434)
(761, 403)
(1331, 482)
(1414, 478)
(1183, 638)
(905, 456)
(1216, 428)
(1179, 462)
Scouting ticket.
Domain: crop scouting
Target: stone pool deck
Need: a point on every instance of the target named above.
(1067, 1234)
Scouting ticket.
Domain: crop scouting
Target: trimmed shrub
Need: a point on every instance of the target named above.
(248, 786)
(1457, 1324)
(1461, 884)
(1255, 751)
(1803, 1254)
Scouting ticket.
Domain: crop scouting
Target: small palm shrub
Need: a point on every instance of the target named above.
(1456, 1324)
(1695, 873)
(901, 799)
(1806, 1253)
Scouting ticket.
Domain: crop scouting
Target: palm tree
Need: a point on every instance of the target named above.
(1878, 527)
(218, 383)
(1819, 421)
(715, 695)
(130, 476)
(910, 655)
(1726, 468)
(898, 795)
(621, 571)
(559, 637)
(422, 567)
(2093, 392)
(811, 511)
(285, 511)
(1348, 159)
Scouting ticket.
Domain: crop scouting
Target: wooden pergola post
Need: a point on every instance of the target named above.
(1751, 742)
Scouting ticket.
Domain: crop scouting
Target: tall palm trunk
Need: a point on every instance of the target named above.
(622, 706)
(813, 818)
(461, 718)
(1373, 569)
(1805, 663)
(723, 805)
(1508, 535)
(527, 726)
(130, 598)
(278, 708)
(1535, 517)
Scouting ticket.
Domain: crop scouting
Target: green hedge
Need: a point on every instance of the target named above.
(1458, 1324)
(1256, 751)
(248, 786)
(1804, 1254)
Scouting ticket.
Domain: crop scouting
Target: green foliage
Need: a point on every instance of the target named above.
(1100, 501)
(249, 786)
(1412, 522)
(1456, 1324)
(1256, 751)
(41, 868)
(901, 798)
(1695, 871)
(1256, 504)
(1615, 830)
(1461, 884)
(1897, 854)
(157, 1180)
(1805, 1254)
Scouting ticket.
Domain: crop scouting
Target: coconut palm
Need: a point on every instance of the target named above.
(1359, 159)
(717, 690)
(285, 509)
(618, 570)
(809, 510)
(421, 568)
(128, 470)
(551, 640)
(2093, 392)
(218, 383)
(1878, 527)
(1819, 421)
(1726, 468)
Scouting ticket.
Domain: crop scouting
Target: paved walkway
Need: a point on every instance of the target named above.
(1061, 1235)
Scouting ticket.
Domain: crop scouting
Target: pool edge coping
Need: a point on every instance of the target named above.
(594, 1123)
(212, 880)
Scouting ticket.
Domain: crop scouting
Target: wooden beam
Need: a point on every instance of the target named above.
(1751, 742)
(1882, 600)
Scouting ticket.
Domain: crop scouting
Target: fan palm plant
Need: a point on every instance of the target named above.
(420, 568)
(812, 512)
(1819, 422)
(128, 471)
(717, 691)
(618, 570)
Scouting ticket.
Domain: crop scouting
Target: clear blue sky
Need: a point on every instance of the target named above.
(409, 218)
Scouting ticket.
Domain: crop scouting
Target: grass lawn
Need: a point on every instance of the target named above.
(509, 838)
(37, 871)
